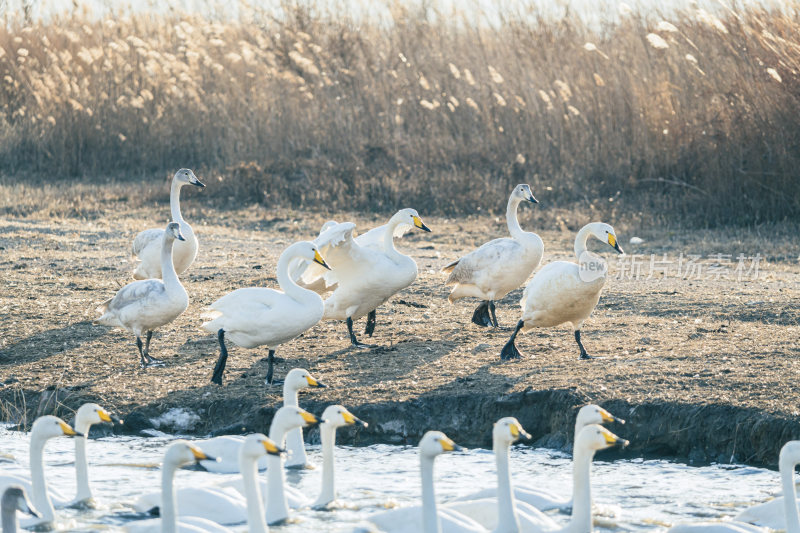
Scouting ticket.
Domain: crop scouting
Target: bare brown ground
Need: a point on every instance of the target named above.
(665, 340)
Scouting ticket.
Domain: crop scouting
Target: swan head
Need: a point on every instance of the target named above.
(173, 231)
(15, 498)
(338, 416)
(509, 430)
(594, 414)
(258, 445)
(790, 456)
(185, 175)
(290, 417)
(435, 443)
(306, 250)
(595, 437)
(89, 414)
(183, 453)
(300, 378)
(49, 426)
(523, 193)
(604, 232)
(411, 217)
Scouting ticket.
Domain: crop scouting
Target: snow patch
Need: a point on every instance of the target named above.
(176, 419)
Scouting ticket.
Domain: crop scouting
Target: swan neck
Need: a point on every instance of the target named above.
(84, 492)
(288, 286)
(8, 510)
(511, 218)
(789, 497)
(581, 520)
(328, 438)
(41, 499)
(580, 241)
(175, 200)
(168, 511)
(255, 506)
(388, 240)
(168, 274)
(277, 505)
(506, 507)
(430, 517)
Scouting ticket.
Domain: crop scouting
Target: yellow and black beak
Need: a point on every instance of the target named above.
(449, 446)
(350, 419)
(421, 225)
(68, 431)
(319, 260)
(314, 382)
(104, 416)
(272, 448)
(608, 418)
(517, 431)
(310, 419)
(612, 241)
(613, 440)
(200, 455)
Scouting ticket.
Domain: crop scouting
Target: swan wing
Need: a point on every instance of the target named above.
(185, 525)
(145, 238)
(768, 514)
(717, 527)
(222, 505)
(409, 520)
(136, 292)
(335, 244)
(374, 237)
(58, 499)
(540, 499)
(484, 512)
(487, 262)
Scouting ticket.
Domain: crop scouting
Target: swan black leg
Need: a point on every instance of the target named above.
(270, 368)
(584, 355)
(371, 321)
(353, 339)
(151, 361)
(219, 368)
(481, 315)
(510, 351)
(494, 316)
(141, 354)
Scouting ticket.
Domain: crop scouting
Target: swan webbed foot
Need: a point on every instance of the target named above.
(481, 315)
(152, 362)
(354, 342)
(510, 350)
(371, 321)
(584, 354)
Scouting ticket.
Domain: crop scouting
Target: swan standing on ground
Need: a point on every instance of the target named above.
(335, 416)
(43, 429)
(499, 266)
(142, 306)
(564, 291)
(427, 518)
(257, 316)
(226, 448)
(541, 498)
(14, 499)
(179, 454)
(365, 277)
(146, 245)
(87, 415)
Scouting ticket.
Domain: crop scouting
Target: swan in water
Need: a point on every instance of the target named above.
(427, 518)
(499, 266)
(778, 513)
(334, 416)
(226, 447)
(43, 429)
(563, 291)
(256, 316)
(146, 245)
(542, 498)
(14, 499)
(590, 439)
(182, 453)
(142, 306)
(87, 415)
(364, 276)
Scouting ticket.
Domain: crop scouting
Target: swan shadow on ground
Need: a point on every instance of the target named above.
(51, 342)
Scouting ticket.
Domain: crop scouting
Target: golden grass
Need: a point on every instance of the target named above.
(692, 117)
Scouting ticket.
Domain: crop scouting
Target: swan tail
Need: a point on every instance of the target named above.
(212, 322)
(106, 318)
(450, 267)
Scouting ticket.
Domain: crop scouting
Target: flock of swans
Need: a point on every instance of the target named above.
(259, 502)
(356, 274)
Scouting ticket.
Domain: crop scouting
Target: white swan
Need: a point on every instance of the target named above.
(334, 416)
(590, 439)
(542, 498)
(257, 316)
(142, 306)
(179, 454)
(43, 429)
(87, 415)
(564, 291)
(226, 447)
(14, 499)
(364, 276)
(427, 518)
(147, 244)
(499, 266)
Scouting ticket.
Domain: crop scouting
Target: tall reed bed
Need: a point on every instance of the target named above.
(697, 116)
